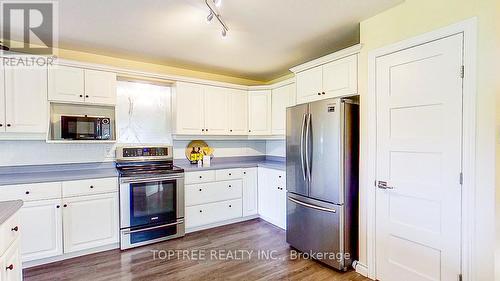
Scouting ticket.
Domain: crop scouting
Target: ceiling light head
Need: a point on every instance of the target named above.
(224, 33)
(210, 17)
(218, 3)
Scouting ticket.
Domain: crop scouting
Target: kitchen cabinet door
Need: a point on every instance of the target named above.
(309, 85)
(26, 100)
(266, 195)
(250, 200)
(66, 84)
(41, 226)
(189, 117)
(259, 112)
(282, 98)
(100, 87)
(90, 221)
(238, 112)
(215, 113)
(340, 77)
(11, 266)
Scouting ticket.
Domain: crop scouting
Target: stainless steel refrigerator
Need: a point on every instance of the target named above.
(322, 152)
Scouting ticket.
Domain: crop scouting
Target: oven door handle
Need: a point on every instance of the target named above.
(128, 232)
(149, 179)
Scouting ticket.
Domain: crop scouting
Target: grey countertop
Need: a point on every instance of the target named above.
(235, 162)
(8, 208)
(56, 172)
(65, 172)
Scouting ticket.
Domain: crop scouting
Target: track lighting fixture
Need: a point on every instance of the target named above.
(214, 12)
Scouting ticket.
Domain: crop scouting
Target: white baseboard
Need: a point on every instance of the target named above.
(216, 224)
(29, 264)
(362, 269)
(271, 221)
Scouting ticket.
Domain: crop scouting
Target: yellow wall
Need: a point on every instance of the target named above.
(151, 67)
(414, 17)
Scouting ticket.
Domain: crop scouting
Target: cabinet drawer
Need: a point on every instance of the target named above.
(199, 177)
(9, 232)
(31, 192)
(228, 174)
(212, 192)
(89, 187)
(213, 212)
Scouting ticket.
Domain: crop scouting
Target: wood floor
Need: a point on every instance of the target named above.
(216, 244)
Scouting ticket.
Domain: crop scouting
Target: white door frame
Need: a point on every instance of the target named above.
(469, 30)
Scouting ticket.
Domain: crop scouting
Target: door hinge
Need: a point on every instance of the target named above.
(459, 277)
(461, 178)
(462, 71)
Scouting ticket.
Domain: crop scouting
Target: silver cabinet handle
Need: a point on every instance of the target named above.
(312, 206)
(302, 146)
(383, 185)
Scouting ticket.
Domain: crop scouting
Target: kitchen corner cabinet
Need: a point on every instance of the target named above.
(259, 112)
(250, 201)
(333, 79)
(282, 98)
(23, 100)
(78, 85)
(272, 196)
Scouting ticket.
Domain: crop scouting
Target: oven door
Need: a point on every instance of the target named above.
(151, 209)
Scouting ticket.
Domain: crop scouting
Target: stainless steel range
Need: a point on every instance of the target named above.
(151, 195)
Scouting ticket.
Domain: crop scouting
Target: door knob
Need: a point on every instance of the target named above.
(383, 185)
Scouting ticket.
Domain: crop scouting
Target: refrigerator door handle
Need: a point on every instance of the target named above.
(302, 146)
(308, 136)
(312, 206)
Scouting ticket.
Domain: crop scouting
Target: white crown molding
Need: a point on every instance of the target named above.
(328, 58)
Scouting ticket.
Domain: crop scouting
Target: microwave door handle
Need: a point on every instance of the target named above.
(97, 129)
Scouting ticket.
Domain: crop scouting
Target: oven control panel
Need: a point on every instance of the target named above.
(145, 151)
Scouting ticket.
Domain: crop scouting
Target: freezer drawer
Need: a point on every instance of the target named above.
(315, 227)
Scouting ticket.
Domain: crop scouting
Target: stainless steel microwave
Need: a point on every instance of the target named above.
(85, 128)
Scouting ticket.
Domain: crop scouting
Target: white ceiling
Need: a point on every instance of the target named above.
(266, 37)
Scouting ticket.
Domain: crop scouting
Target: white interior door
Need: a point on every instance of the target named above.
(419, 121)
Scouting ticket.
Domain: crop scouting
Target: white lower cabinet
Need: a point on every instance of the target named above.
(216, 196)
(213, 212)
(90, 221)
(41, 222)
(64, 217)
(272, 196)
(10, 256)
(250, 201)
(11, 263)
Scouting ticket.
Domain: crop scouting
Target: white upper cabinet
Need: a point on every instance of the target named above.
(189, 109)
(340, 77)
(309, 85)
(282, 98)
(73, 84)
(100, 87)
(66, 84)
(25, 100)
(238, 112)
(215, 113)
(334, 75)
(259, 112)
